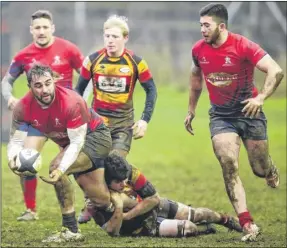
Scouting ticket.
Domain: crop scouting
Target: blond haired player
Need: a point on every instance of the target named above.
(114, 71)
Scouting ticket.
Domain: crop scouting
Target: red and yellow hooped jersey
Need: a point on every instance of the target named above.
(114, 80)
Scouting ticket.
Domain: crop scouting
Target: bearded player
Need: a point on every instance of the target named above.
(114, 71)
(227, 61)
(62, 116)
(63, 57)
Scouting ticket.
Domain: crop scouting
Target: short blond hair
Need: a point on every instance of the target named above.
(118, 21)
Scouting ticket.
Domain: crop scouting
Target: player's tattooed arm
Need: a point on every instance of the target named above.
(273, 78)
(195, 88)
(7, 85)
(195, 84)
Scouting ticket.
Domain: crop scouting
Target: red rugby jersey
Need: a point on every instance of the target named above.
(68, 110)
(62, 57)
(229, 69)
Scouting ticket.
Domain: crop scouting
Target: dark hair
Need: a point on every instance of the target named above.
(38, 70)
(42, 14)
(216, 10)
(116, 167)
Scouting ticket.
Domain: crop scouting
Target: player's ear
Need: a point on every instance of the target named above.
(222, 26)
(31, 29)
(53, 28)
(126, 38)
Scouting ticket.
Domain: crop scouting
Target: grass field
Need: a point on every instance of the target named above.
(182, 168)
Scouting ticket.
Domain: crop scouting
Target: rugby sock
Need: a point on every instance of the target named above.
(29, 191)
(244, 218)
(69, 221)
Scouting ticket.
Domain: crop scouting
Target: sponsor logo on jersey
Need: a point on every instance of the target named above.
(124, 69)
(112, 84)
(221, 79)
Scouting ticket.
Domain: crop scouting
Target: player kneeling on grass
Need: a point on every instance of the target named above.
(166, 219)
(62, 115)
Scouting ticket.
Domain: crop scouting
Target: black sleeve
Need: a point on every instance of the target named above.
(147, 190)
(151, 96)
(81, 85)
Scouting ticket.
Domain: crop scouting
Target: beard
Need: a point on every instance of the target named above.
(214, 37)
(46, 103)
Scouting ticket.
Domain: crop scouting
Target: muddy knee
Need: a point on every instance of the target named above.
(203, 215)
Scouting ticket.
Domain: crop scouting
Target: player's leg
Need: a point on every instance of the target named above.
(226, 146)
(182, 228)
(66, 198)
(121, 141)
(175, 210)
(97, 147)
(89, 173)
(256, 144)
(35, 140)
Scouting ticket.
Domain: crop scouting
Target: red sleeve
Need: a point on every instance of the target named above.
(78, 115)
(251, 51)
(76, 57)
(194, 52)
(140, 182)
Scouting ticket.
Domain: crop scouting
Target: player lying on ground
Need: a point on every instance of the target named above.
(167, 218)
(62, 115)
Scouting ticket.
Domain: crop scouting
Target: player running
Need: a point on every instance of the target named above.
(226, 61)
(62, 115)
(114, 71)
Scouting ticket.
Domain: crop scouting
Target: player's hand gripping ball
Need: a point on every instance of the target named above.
(28, 161)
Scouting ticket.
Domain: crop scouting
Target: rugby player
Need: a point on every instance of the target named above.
(114, 71)
(227, 61)
(62, 115)
(167, 218)
(63, 57)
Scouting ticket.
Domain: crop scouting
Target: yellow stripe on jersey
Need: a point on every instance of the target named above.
(142, 66)
(135, 174)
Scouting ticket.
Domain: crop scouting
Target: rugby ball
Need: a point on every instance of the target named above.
(29, 161)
